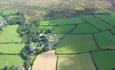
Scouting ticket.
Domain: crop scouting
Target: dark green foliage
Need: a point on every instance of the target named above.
(16, 19)
(38, 50)
(24, 53)
(27, 64)
(13, 68)
(29, 31)
(5, 68)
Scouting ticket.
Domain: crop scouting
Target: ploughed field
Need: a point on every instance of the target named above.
(86, 42)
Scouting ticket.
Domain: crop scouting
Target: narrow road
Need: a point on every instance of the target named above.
(45, 61)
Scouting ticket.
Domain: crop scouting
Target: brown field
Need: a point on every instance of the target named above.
(45, 61)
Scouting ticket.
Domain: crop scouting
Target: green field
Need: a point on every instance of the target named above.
(76, 44)
(97, 23)
(85, 28)
(105, 40)
(9, 47)
(9, 60)
(105, 60)
(10, 34)
(75, 62)
(63, 21)
(63, 29)
(107, 18)
(84, 43)
(87, 46)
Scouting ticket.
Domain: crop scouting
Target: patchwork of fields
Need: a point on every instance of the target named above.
(86, 42)
(10, 47)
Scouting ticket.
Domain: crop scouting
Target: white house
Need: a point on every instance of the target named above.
(2, 24)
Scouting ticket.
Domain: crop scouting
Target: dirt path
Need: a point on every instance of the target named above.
(45, 61)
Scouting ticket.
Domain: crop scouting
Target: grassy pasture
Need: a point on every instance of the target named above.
(65, 21)
(63, 29)
(97, 23)
(76, 44)
(107, 18)
(75, 62)
(105, 40)
(8, 48)
(85, 28)
(10, 60)
(10, 34)
(105, 60)
(11, 48)
(43, 27)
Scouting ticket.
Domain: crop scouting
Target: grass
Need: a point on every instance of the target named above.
(9, 60)
(72, 49)
(75, 62)
(85, 28)
(8, 48)
(46, 27)
(11, 48)
(105, 40)
(76, 44)
(97, 23)
(105, 60)
(63, 29)
(10, 34)
(1, 18)
(63, 21)
(113, 30)
(107, 18)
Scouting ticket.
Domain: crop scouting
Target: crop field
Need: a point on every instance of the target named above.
(85, 44)
(10, 47)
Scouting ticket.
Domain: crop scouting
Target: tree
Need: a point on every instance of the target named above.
(5, 68)
(29, 32)
(12, 67)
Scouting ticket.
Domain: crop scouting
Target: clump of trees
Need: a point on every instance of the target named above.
(15, 17)
(12, 67)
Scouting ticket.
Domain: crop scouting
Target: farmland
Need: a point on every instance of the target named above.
(10, 47)
(84, 43)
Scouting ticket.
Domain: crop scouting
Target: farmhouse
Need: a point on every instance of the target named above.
(2, 23)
